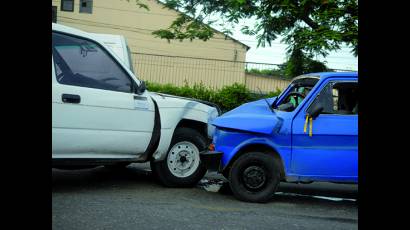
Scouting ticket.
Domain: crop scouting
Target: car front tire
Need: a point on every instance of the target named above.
(182, 166)
(254, 177)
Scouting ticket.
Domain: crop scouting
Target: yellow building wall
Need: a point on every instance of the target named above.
(265, 83)
(180, 70)
(136, 25)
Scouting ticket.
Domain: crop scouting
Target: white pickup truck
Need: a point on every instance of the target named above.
(103, 115)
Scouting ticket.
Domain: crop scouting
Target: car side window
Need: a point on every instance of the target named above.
(339, 98)
(83, 63)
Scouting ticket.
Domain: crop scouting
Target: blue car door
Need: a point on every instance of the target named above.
(326, 148)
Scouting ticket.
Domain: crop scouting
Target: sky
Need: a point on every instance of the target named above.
(276, 54)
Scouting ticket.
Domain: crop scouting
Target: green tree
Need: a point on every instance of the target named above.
(299, 63)
(308, 27)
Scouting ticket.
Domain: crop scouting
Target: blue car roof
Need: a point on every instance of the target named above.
(324, 75)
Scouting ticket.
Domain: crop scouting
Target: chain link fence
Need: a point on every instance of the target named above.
(213, 73)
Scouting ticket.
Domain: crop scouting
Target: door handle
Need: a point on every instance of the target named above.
(71, 98)
(140, 98)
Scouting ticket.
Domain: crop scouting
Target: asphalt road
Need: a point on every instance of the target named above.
(130, 198)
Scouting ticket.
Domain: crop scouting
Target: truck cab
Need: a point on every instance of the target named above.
(308, 133)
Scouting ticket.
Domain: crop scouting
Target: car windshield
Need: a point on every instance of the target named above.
(299, 90)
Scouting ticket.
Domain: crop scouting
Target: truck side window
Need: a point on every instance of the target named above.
(339, 98)
(84, 63)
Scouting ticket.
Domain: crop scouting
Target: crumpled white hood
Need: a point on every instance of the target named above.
(171, 101)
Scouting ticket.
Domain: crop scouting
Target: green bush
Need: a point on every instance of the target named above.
(266, 72)
(227, 98)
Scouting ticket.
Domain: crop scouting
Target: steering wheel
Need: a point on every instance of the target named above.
(295, 95)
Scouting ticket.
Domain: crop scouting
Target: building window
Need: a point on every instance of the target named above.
(67, 5)
(54, 13)
(86, 6)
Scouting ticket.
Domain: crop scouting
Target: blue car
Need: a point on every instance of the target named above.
(308, 133)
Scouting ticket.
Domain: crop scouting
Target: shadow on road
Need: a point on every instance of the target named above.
(137, 176)
(101, 177)
(323, 193)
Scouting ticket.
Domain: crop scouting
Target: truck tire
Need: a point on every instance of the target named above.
(182, 166)
(254, 177)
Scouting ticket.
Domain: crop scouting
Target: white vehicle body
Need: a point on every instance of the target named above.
(97, 126)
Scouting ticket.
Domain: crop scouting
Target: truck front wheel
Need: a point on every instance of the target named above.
(182, 166)
(254, 177)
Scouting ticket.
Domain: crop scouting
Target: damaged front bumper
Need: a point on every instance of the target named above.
(212, 160)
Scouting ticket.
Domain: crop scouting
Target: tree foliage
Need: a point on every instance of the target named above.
(308, 27)
(140, 4)
(299, 63)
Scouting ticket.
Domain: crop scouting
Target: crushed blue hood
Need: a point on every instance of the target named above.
(253, 117)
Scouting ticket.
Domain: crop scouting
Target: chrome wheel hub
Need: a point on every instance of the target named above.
(183, 159)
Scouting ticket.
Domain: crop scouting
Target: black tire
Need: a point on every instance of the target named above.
(260, 188)
(161, 169)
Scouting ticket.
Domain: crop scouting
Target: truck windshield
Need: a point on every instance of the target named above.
(299, 90)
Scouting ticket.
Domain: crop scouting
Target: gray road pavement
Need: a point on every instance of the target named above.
(103, 198)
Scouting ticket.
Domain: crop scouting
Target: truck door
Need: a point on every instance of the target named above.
(95, 112)
(331, 152)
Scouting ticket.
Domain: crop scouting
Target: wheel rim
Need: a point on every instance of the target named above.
(183, 159)
(254, 177)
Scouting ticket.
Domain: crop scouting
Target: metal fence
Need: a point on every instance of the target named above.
(214, 73)
(179, 70)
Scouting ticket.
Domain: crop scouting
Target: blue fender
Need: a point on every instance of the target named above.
(235, 141)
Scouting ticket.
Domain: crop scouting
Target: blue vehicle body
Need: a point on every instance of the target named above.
(329, 154)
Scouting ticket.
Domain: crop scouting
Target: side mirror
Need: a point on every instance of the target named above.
(315, 110)
(141, 88)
